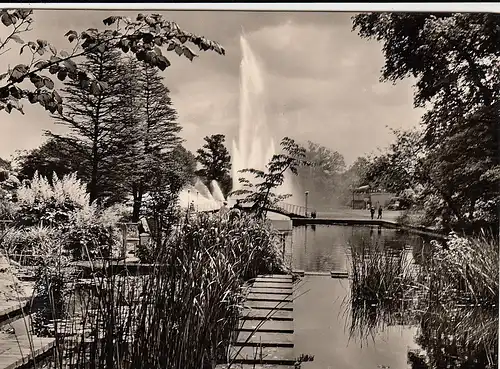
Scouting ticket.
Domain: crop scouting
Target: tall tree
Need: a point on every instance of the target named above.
(321, 177)
(99, 119)
(215, 162)
(158, 129)
(454, 58)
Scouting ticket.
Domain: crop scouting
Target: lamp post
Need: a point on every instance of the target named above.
(197, 202)
(188, 203)
(307, 194)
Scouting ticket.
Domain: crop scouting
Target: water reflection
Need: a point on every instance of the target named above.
(326, 248)
(433, 336)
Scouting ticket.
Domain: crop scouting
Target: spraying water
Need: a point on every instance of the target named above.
(255, 146)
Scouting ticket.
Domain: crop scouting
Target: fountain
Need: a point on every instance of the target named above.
(255, 145)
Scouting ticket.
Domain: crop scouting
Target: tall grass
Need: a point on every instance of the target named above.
(452, 298)
(182, 314)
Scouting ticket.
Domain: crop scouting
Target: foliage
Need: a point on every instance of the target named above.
(144, 37)
(64, 206)
(396, 170)
(322, 177)
(157, 132)
(53, 156)
(352, 178)
(261, 195)
(452, 56)
(103, 126)
(215, 162)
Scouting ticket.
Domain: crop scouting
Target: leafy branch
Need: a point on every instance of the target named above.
(145, 37)
(261, 194)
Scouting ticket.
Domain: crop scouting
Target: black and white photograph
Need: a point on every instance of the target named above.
(269, 186)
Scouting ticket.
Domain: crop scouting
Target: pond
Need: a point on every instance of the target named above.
(323, 317)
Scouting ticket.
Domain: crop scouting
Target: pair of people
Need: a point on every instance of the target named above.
(372, 212)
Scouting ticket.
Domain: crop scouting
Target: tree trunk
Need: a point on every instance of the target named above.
(138, 193)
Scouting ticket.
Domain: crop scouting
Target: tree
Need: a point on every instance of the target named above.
(53, 156)
(453, 57)
(396, 169)
(261, 195)
(158, 129)
(215, 161)
(103, 126)
(321, 177)
(143, 37)
(352, 178)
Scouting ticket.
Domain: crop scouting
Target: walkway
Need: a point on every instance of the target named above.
(265, 335)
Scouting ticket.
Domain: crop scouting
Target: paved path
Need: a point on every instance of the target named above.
(342, 214)
(265, 335)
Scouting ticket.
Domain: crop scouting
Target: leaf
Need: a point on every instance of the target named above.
(18, 39)
(37, 80)
(71, 34)
(64, 53)
(70, 65)
(189, 54)
(6, 19)
(71, 38)
(101, 48)
(62, 74)
(32, 97)
(158, 51)
(179, 50)
(2, 76)
(42, 43)
(15, 92)
(57, 97)
(53, 49)
(48, 83)
(19, 72)
(162, 62)
(54, 68)
(110, 20)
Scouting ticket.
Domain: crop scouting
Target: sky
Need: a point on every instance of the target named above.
(321, 80)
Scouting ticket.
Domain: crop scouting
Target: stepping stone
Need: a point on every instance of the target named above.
(276, 326)
(339, 274)
(274, 280)
(278, 276)
(260, 304)
(254, 366)
(268, 297)
(272, 291)
(265, 339)
(271, 285)
(266, 314)
(262, 355)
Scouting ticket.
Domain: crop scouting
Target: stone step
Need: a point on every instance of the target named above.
(265, 339)
(16, 351)
(272, 291)
(260, 304)
(277, 326)
(267, 285)
(267, 314)
(267, 297)
(262, 355)
(275, 276)
(254, 366)
(274, 280)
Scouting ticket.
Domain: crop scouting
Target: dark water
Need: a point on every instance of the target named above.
(323, 317)
(325, 248)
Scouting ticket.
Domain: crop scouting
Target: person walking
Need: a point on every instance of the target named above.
(372, 211)
(379, 212)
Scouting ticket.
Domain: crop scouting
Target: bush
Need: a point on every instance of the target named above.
(84, 229)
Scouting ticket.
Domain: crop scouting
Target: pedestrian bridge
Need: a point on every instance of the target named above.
(283, 208)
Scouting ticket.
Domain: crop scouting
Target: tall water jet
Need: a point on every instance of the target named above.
(255, 146)
(216, 191)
